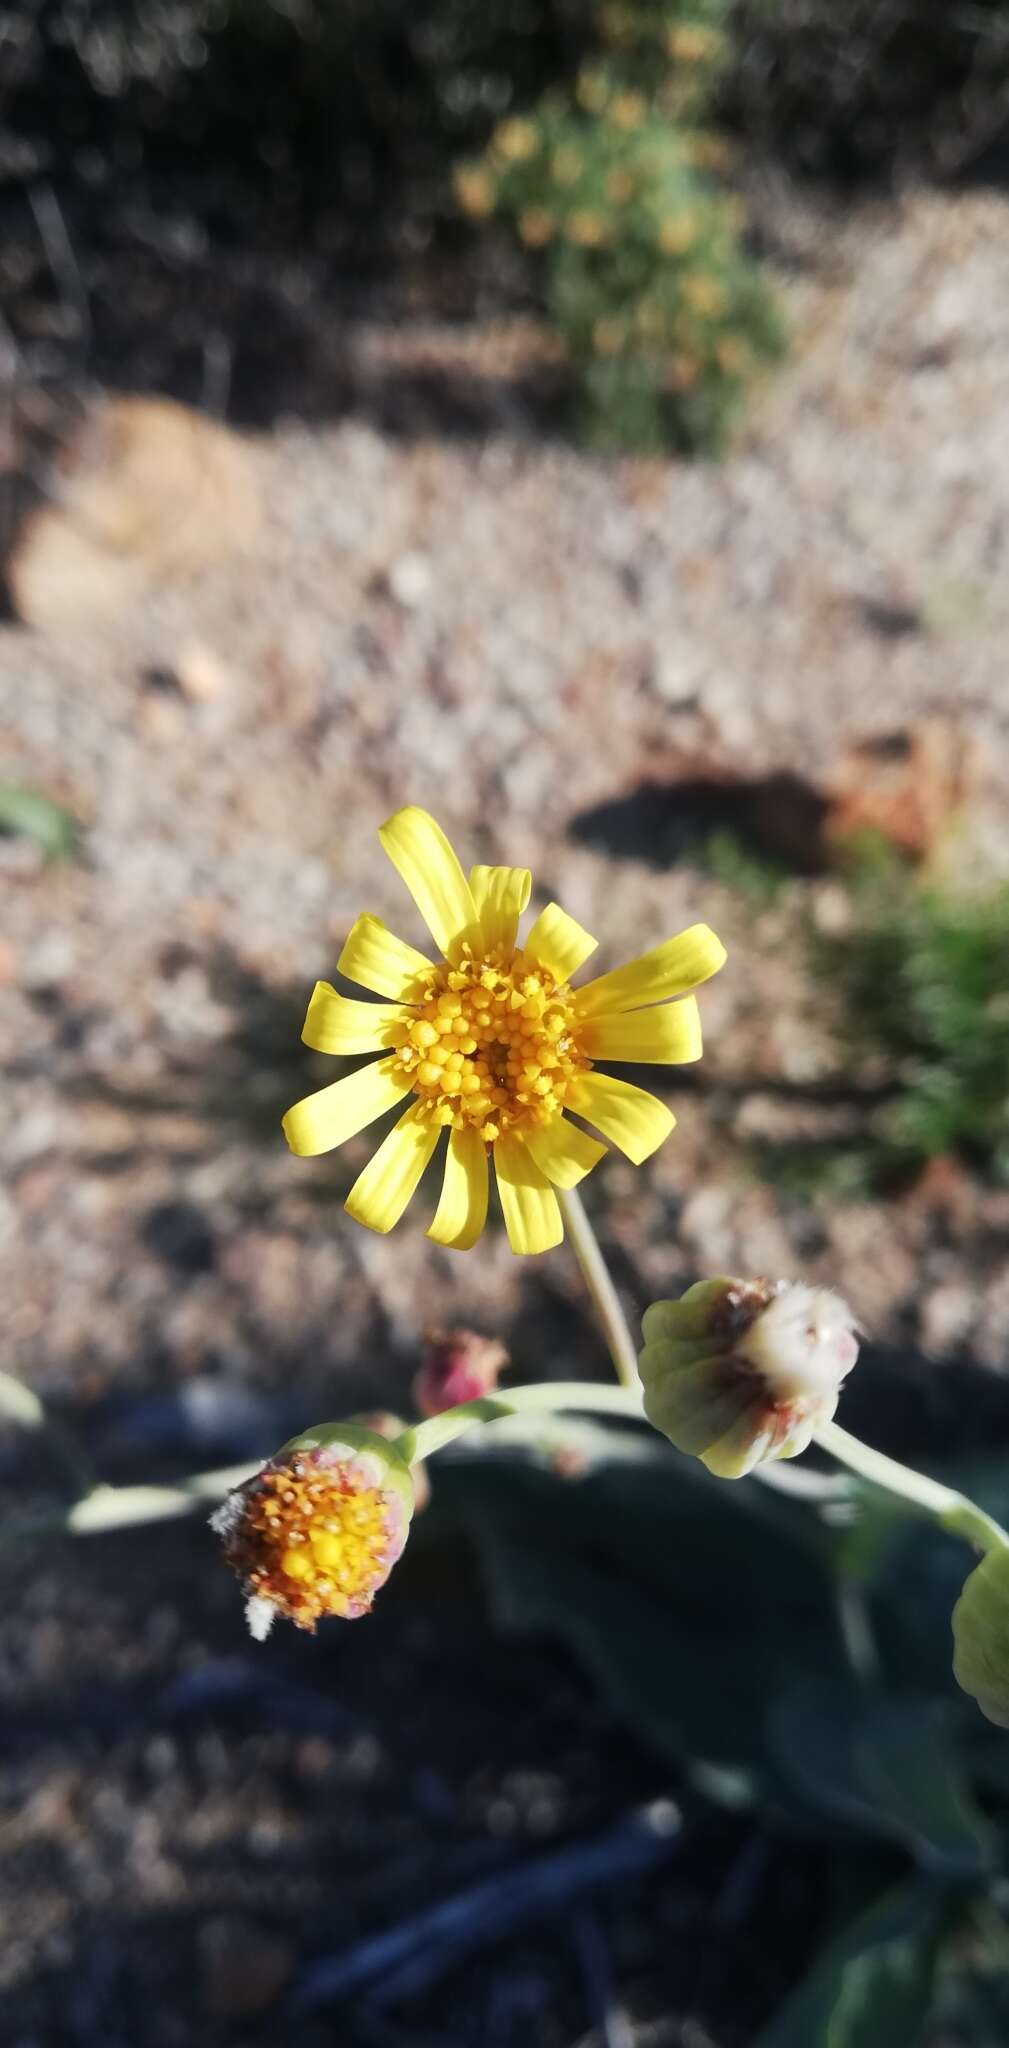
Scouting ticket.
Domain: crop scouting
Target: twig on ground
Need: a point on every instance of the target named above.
(21, 1405)
(60, 256)
(407, 1959)
(606, 2019)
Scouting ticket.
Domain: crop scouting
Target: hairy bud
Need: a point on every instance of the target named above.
(740, 1371)
(458, 1365)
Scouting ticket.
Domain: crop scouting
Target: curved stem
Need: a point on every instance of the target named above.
(952, 1510)
(124, 1507)
(423, 1438)
(21, 1405)
(605, 1300)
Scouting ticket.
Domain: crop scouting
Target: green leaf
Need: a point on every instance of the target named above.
(686, 1606)
(906, 1758)
(873, 1986)
(24, 814)
(888, 1768)
(981, 1636)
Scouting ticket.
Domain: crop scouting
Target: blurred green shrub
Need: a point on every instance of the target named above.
(924, 979)
(335, 130)
(665, 320)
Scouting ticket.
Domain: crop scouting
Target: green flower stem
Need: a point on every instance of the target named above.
(952, 1510)
(605, 1299)
(122, 1507)
(21, 1405)
(423, 1438)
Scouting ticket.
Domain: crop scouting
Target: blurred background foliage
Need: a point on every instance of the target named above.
(600, 134)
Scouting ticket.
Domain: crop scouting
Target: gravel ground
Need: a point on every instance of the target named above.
(541, 648)
(519, 638)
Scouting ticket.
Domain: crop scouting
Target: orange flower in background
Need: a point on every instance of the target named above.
(492, 1045)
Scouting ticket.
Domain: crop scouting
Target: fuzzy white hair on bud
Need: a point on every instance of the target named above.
(803, 1344)
(260, 1616)
(226, 1518)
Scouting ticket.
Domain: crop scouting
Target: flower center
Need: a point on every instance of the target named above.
(315, 1539)
(492, 1045)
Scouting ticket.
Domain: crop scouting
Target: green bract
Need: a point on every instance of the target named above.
(981, 1636)
(393, 1470)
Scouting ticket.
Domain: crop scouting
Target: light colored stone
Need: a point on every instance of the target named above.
(149, 493)
(408, 580)
(201, 675)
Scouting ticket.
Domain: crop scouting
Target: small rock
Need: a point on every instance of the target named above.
(149, 493)
(408, 580)
(674, 679)
(946, 1317)
(831, 909)
(179, 1233)
(243, 1969)
(200, 674)
(907, 786)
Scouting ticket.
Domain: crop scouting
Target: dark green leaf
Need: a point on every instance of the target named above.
(981, 1636)
(873, 1986)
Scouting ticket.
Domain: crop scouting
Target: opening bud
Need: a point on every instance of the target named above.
(741, 1371)
(318, 1530)
(457, 1366)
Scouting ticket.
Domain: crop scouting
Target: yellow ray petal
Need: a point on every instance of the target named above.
(337, 1024)
(638, 1123)
(418, 848)
(332, 1114)
(558, 943)
(563, 1152)
(376, 959)
(672, 1033)
(380, 1194)
(462, 1210)
(668, 970)
(500, 895)
(531, 1209)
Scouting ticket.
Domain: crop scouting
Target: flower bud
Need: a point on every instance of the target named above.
(981, 1636)
(319, 1529)
(740, 1371)
(458, 1365)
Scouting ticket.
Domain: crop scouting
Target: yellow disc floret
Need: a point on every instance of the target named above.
(314, 1533)
(493, 1045)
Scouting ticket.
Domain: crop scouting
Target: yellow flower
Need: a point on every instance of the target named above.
(565, 166)
(515, 140)
(704, 295)
(693, 43)
(475, 191)
(587, 230)
(492, 1045)
(608, 337)
(536, 226)
(620, 184)
(676, 232)
(628, 110)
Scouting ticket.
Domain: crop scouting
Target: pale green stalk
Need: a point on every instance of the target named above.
(21, 1405)
(423, 1438)
(122, 1507)
(952, 1510)
(605, 1299)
